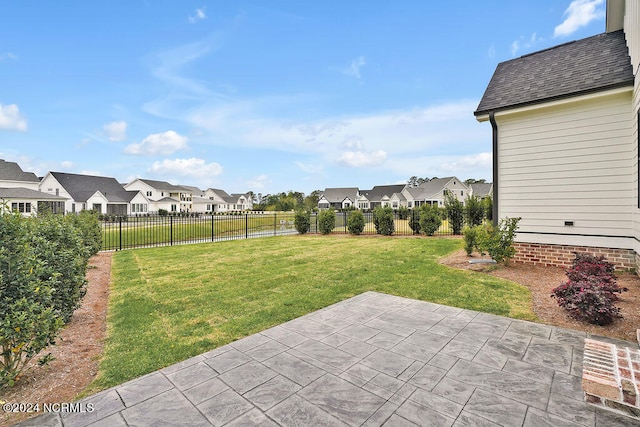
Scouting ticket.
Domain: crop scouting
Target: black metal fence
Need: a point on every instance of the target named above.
(127, 232)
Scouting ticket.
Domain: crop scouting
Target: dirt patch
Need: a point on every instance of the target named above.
(77, 351)
(541, 280)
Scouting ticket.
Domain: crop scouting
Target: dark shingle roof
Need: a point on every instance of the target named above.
(10, 171)
(588, 65)
(163, 185)
(379, 191)
(81, 187)
(27, 193)
(337, 195)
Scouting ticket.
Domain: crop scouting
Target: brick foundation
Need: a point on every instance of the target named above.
(563, 255)
(611, 377)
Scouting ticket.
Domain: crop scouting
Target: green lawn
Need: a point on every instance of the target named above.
(171, 303)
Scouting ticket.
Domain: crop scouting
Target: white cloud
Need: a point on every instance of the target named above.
(198, 15)
(158, 144)
(116, 131)
(10, 118)
(355, 67)
(190, 168)
(7, 55)
(67, 165)
(310, 168)
(358, 159)
(525, 44)
(579, 14)
(260, 182)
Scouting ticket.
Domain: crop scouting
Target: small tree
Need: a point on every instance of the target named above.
(454, 211)
(302, 221)
(487, 204)
(430, 219)
(473, 211)
(355, 222)
(384, 220)
(326, 221)
(414, 220)
(403, 213)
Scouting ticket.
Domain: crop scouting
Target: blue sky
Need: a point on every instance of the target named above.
(267, 96)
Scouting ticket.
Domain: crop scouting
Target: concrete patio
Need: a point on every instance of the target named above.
(371, 360)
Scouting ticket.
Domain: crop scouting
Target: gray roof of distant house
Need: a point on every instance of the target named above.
(81, 187)
(219, 192)
(584, 66)
(163, 185)
(11, 171)
(379, 191)
(28, 194)
(481, 189)
(432, 187)
(338, 195)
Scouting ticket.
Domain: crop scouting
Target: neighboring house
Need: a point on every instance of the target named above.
(565, 144)
(102, 194)
(433, 192)
(29, 202)
(163, 195)
(12, 176)
(224, 202)
(19, 192)
(481, 190)
(338, 198)
(381, 196)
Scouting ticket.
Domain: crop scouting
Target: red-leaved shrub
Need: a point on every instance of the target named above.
(591, 291)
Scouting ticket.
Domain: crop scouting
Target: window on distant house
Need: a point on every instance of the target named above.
(462, 193)
(57, 191)
(174, 208)
(149, 193)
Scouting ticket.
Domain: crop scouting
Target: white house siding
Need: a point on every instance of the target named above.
(569, 161)
(632, 35)
(50, 185)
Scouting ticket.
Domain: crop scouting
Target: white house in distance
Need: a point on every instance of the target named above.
(19, 192)
(224, 202)
(338, 198)
(163, 195)
(565, 144)
(103, 194)
(433, 192)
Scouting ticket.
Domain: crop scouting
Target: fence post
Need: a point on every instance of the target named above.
(344, 221)
(171, 230)
(120, 233)
(246, 225)
(212, 230)
(275, 219)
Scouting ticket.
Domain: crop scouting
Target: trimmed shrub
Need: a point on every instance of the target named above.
(355, 222)
(163, 212)
(454, 211)
(59, 246)
(414, 221)
(90, 232)
(28, 320)
(326, 221)
(471, 239)
(430, 219)
(591, 291)
(383, 220)
(302, 221)
(498, 241)
(473, 211)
